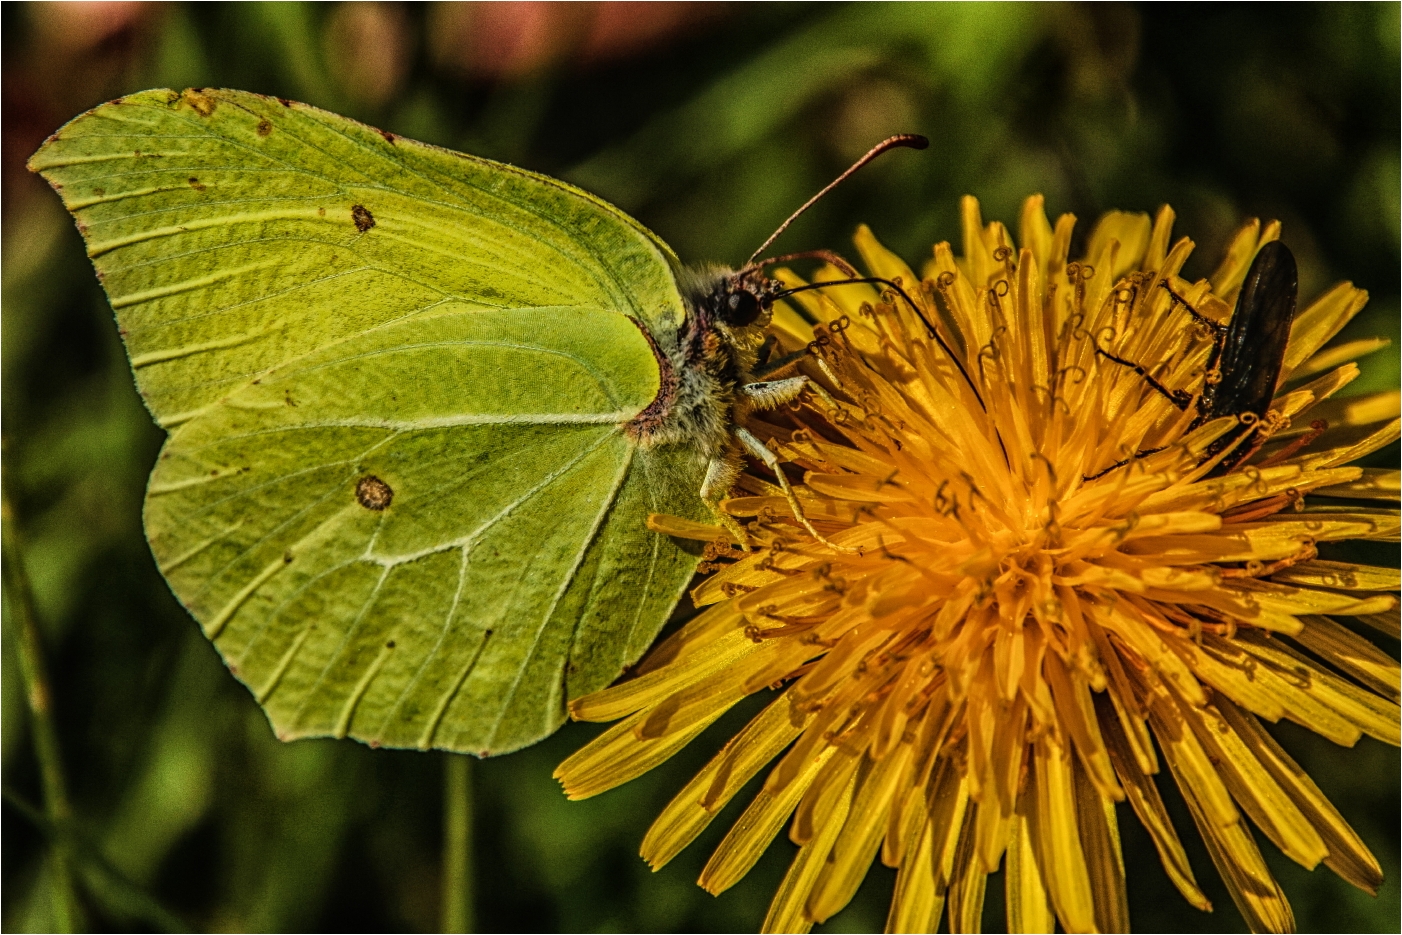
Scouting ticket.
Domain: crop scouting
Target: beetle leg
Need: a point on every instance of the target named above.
(1219, 343)
(1179, 398)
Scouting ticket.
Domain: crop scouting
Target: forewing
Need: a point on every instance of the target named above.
(234, 232)
(1259, 329)
(419, 535)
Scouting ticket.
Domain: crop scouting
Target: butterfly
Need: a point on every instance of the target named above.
(420, 406)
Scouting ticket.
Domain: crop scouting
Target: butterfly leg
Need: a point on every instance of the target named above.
(761, 451)
(768, 394)
(720, 477)
(766, 366)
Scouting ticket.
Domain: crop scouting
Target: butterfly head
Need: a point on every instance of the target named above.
(741, 308)
(738, 300)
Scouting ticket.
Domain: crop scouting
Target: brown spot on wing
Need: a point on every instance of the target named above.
(373, 493)
(362, 217)
(202, 103)
(265, 126)
(389, 137)
(196, 184)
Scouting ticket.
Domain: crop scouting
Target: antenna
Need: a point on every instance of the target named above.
(912, 140)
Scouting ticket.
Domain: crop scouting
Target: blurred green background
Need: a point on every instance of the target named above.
(709, 123)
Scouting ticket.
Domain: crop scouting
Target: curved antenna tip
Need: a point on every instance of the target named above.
(911, 140)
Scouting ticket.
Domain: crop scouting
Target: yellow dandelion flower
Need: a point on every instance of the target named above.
(1034, 568)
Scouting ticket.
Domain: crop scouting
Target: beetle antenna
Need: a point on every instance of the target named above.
(912, 140)
(929, 328)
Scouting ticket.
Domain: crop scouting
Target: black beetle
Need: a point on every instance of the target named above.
(1251, 349)
(1246, 357)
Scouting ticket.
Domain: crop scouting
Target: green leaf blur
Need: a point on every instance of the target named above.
(709, 124)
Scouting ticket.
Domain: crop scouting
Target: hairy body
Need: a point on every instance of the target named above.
(708, 381)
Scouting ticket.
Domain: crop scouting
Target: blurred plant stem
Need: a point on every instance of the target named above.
(29, 650)
(457, 843)
(114, 891)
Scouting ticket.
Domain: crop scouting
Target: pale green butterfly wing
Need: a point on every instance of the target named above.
(234, 231)
(510, 567)
(313, 308)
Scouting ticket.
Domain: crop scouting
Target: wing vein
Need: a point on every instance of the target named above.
(605, 509)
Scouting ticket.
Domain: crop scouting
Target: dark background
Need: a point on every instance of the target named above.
(709, 123)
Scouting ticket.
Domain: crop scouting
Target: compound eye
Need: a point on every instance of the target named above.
(742, 308)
